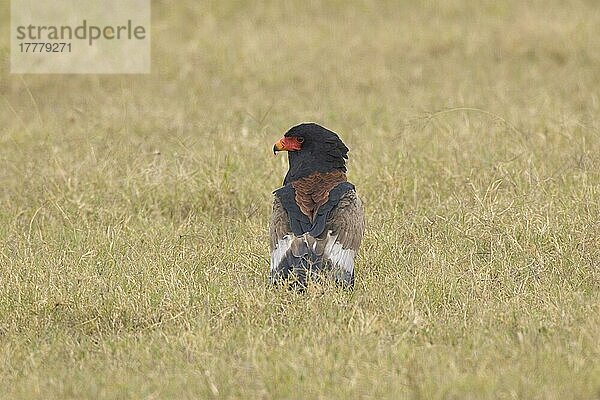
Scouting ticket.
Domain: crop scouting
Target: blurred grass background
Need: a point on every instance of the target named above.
(134, 209)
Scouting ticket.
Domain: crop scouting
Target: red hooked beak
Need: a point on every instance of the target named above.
(288, 144)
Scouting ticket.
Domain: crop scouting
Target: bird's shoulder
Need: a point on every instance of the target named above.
(347, 220)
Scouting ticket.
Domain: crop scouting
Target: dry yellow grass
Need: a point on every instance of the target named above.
(134, 209)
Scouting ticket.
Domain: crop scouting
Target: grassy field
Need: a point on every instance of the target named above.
(134, 209)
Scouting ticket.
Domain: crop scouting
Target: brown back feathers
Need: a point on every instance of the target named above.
(313, 191)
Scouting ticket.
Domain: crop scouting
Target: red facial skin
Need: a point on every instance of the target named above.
(288, 144)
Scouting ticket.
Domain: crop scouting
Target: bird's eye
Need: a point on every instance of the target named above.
(300, 140)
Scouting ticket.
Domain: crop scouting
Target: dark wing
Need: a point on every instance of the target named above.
(291, 255)
(343, 233)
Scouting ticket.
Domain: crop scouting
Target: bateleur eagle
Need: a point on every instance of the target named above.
(318, 219)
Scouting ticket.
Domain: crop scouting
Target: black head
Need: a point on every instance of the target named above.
(312, 148)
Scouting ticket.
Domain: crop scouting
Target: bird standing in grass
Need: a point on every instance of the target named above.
(318, 220)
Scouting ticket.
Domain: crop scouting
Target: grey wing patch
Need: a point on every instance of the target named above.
(280, 233)
(342, 237)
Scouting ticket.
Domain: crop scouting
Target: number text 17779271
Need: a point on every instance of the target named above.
(44, 47)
